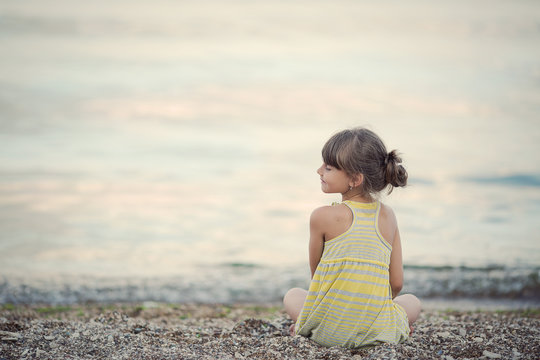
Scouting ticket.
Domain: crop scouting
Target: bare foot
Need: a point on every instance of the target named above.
(291, 330)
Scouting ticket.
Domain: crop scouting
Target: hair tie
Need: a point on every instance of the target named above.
(389, 157)
(392, 156)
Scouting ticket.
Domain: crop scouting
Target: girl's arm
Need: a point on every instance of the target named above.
(316, 237)
(396, 265)
(390, 231)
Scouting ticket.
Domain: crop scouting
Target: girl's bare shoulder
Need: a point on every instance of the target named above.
(320, 214)
(330, 212)
(387, 212)
(387, 223)
(332, 220)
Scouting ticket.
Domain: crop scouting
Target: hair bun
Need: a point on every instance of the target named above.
(396, 175)
(392, 157)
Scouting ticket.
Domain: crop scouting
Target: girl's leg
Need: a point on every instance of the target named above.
(411, 304)
(294, 301)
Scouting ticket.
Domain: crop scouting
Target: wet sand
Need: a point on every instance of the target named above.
(243, 331)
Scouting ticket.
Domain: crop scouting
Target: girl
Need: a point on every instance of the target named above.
(355, 251)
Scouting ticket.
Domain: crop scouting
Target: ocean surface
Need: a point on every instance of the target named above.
(166, 150)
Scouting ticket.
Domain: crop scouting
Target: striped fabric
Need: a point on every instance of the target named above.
(349, 302)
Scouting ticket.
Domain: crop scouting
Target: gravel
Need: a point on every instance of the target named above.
(243, 331)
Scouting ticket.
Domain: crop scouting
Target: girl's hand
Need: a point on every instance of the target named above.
(291, 330)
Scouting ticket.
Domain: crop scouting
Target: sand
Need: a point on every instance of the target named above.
(243, 331)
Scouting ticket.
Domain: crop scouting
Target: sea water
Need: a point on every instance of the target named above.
(167, 150)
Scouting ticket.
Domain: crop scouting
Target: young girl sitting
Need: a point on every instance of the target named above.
(355, 251)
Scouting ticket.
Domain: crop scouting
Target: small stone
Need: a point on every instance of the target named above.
(443, 334)
(462, 332)
(76, 335)
(478, 339)
(491, 355)
(9, 336)
(110, 339)
(49, 338)
(40, 353)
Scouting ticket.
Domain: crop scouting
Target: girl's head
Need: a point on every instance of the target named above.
(361, 153)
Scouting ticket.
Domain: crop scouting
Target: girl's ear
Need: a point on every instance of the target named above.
(357, 180)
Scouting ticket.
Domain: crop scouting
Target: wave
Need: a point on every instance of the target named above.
(468, 282)
(530, 180)
(238, 282)
(15, 24)
(515, 180)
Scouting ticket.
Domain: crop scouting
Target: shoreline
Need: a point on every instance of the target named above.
(244, 283)
(478, 304)
(246, 331)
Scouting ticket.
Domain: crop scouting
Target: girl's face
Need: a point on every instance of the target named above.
(333, 180)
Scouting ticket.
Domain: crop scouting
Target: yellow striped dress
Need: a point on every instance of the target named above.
(349, 302)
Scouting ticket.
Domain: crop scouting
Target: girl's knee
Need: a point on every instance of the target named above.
(411, 304)
(416, 306)
(289, 292)
(293, 295)
(293, 301)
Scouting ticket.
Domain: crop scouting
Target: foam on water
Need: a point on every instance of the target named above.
(231, 283)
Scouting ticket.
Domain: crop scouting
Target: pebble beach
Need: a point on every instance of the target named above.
(244, 331)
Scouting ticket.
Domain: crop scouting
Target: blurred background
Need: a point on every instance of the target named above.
(166, 150)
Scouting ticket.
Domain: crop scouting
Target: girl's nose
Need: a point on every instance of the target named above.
(319, 170)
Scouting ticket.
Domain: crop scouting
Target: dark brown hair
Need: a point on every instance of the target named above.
(361, 151)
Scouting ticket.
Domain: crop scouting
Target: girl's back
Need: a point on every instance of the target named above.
(349, 301)
(338, 219)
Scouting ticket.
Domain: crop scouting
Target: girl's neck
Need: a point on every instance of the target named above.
(356, 197)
